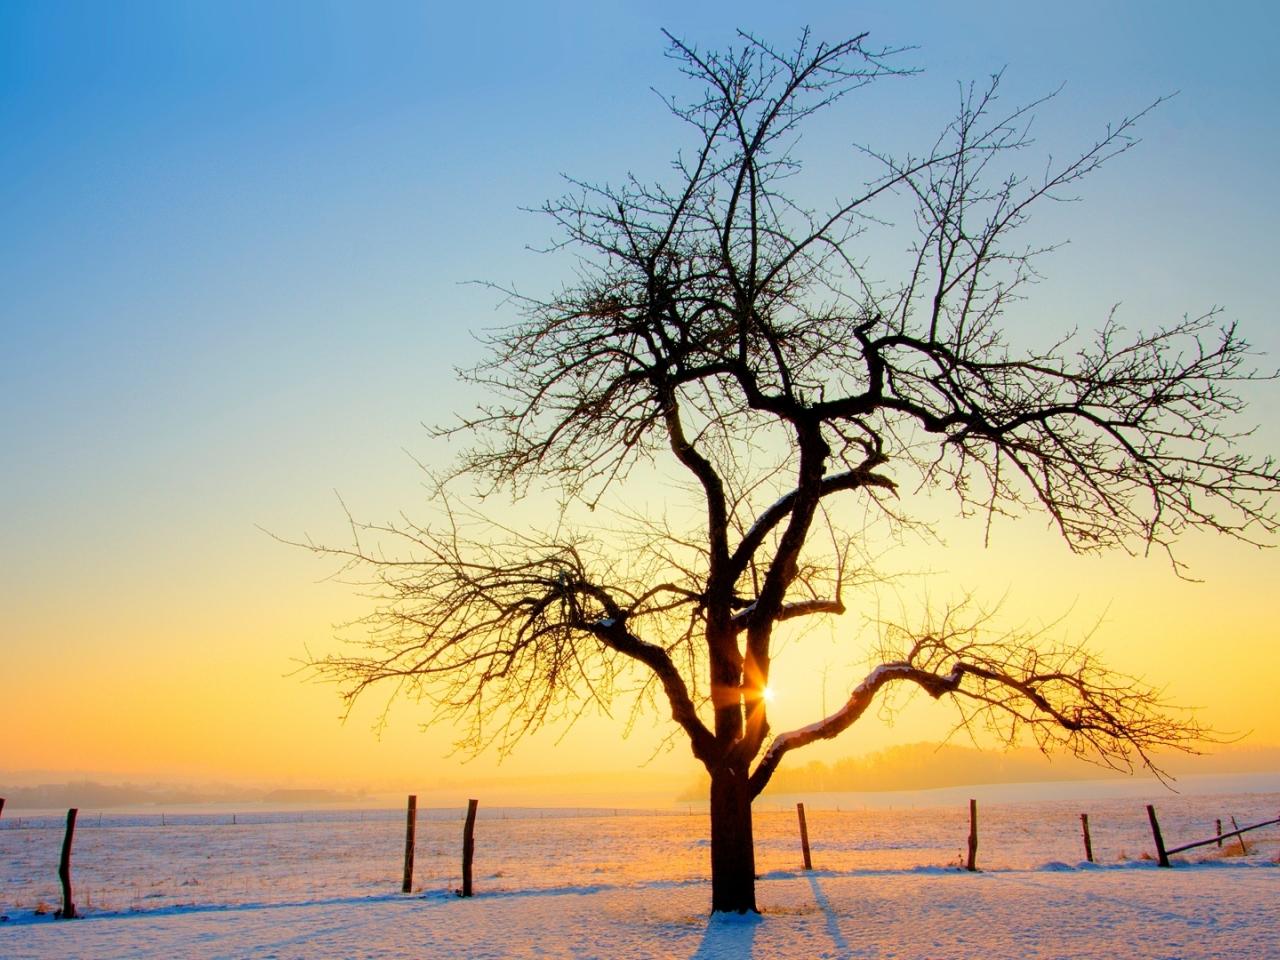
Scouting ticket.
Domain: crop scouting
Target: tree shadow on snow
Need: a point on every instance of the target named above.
(733, 936)
(728, 935)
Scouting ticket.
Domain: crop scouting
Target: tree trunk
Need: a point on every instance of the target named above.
(733, 857)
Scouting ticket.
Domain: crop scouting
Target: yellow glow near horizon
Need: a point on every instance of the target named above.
(209, 333)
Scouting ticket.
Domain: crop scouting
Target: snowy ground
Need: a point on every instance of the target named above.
(626, 885)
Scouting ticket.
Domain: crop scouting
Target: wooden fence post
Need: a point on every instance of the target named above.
(1244, 851)
(804, 836)
(1239, 832)
(468, 847)
(972, 864)
(411, 824)
(68, 911)
(1088, 844)
(1217, 826)
(1, 806)
(1155, 832)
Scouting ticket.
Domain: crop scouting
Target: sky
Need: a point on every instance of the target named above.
(237, 246)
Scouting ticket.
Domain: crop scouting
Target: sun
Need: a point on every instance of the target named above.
(768, 694)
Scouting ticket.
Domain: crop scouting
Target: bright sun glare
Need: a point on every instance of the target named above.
(768, 694)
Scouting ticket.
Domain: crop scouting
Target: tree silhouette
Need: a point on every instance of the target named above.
(720, 323)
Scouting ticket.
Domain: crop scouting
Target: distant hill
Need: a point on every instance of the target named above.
(927, 766)
(88, 794)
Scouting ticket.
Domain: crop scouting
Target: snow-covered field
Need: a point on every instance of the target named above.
(554, 883)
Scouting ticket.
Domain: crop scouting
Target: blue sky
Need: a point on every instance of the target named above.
(235, 239)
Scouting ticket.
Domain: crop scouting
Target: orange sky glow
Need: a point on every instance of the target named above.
(237, 289)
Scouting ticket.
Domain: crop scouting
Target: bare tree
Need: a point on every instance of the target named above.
(719, 323)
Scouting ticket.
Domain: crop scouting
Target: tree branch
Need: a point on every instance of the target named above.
(1013, 685)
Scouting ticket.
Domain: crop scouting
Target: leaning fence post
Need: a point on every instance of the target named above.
(1, 806)
(1244, 851)
(972, 864)
(411, 823)
(804, 836)
(1088, 844)
(1155, 832)
(68, 911)
(468, 847)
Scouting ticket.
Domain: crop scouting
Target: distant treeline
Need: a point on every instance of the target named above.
(88, 794)
(927, 766)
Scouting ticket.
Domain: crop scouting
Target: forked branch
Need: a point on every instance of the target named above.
(508, 634)
(1015, 686)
